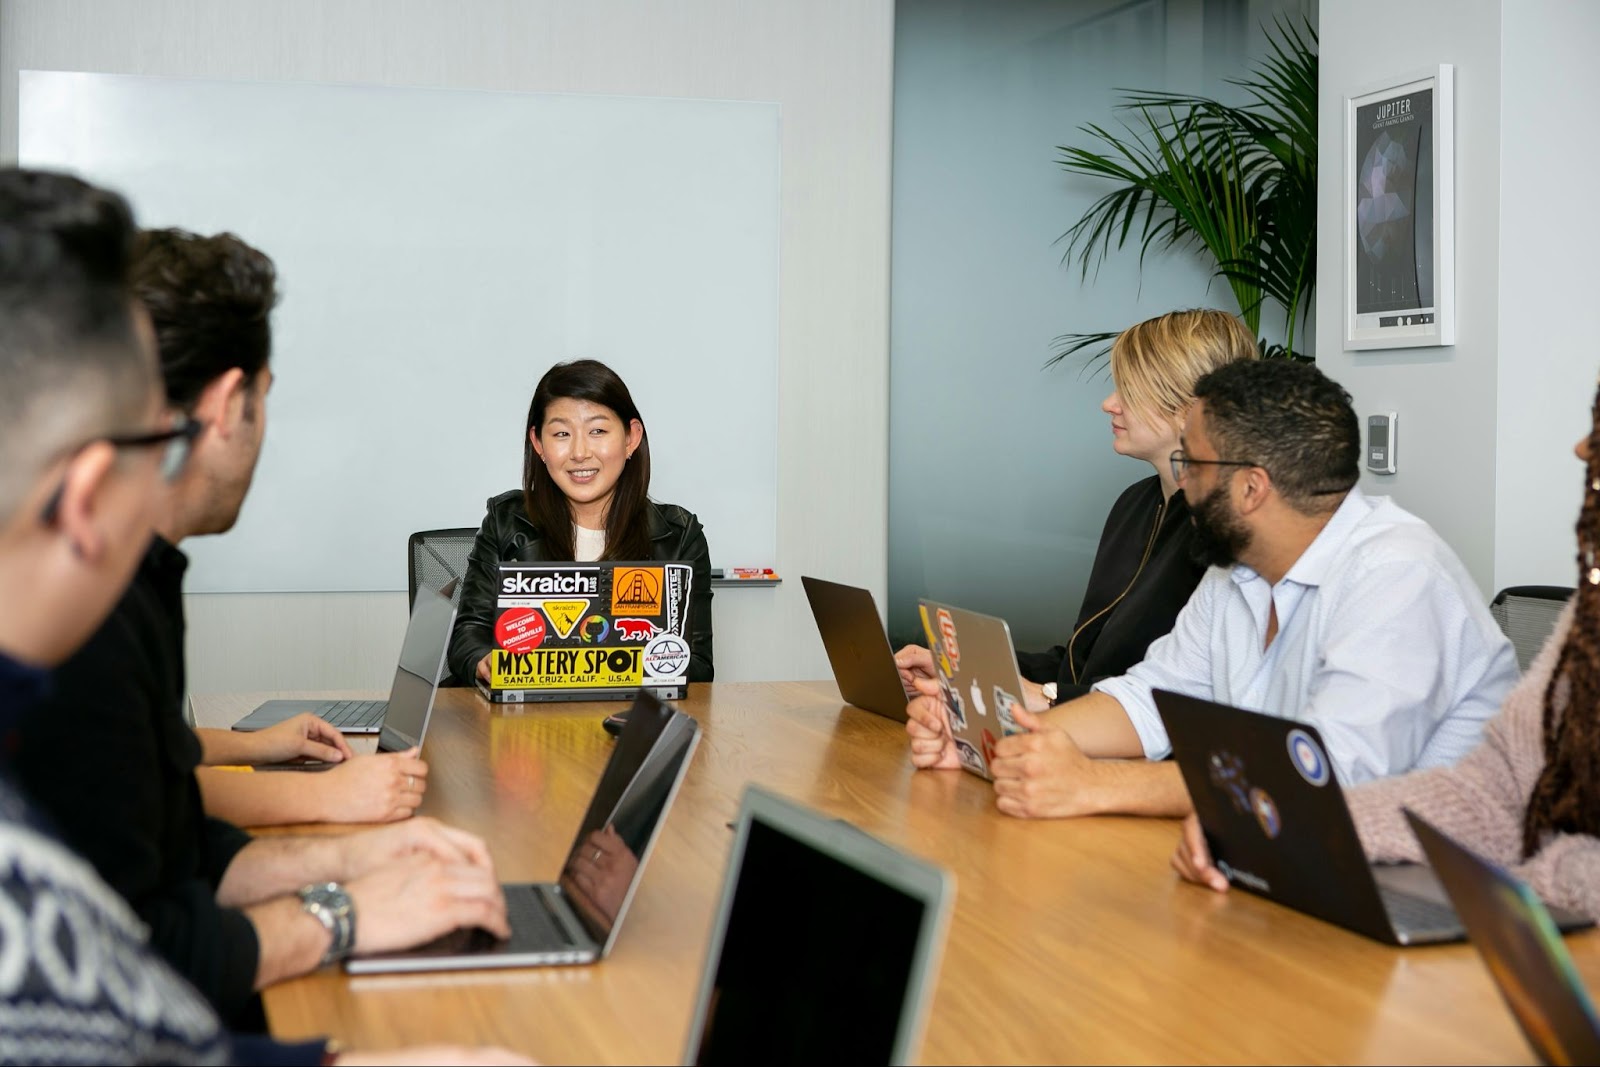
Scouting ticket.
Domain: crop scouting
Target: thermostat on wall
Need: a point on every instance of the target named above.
(1380, 442)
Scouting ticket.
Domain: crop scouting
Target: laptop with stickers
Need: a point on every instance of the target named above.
(1511, 928)
(977, 669)
(590, 631)
(576, 919)
(826, 944)
(858, 647)
(1278, 826)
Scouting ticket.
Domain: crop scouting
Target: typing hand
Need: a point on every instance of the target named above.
(929, 730)
(914, 662)
(371, 849)
(305, 735)
(372, 788)
(416, 898)
(1042, 774)
(1193, 859)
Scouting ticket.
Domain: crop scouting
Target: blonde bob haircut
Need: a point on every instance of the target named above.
(1155, 363)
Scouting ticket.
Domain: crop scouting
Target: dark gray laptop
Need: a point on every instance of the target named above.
(1513, 931)
(826, 944)
(400, 720)
(576, 919)
(858, 647)
(1277, 825)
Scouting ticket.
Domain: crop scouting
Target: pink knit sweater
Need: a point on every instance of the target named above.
(1481, 800)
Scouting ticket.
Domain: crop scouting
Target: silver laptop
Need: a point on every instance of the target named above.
(1277, 824)
(858, 647)
(399, 721)
(826, 945)
(1513, 931)
(576, 919)
(977, 669)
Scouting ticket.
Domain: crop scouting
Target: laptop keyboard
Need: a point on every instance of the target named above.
(1407, 912)
(531, 921)
(345, 714)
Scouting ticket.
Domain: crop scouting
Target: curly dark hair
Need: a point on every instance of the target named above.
(1566, 797)
(1289, 418)
(210, 300)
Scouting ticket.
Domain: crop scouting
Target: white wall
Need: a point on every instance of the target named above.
(1486, 425)
(1445, 397)
(1549, 231)
(828, 63)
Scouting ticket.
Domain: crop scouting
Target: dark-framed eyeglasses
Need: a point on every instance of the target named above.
(1181, 463)
(176, 442)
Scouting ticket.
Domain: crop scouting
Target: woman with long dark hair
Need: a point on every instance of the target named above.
(1528, 797)
(585, 496)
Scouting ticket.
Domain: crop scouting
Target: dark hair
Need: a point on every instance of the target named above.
(1289, 418)
(210, 300)
(627, 532)
(1566, 796)
(66, 318)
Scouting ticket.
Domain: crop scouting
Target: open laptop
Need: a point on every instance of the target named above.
(576, 919)
(590, 631)
(977, 668)
(858, 647)
(1277, 825)
(416, 682)
(1519, 942)
(826, 944)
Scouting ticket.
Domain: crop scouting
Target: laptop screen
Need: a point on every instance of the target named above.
(816, 960)
(421, 657)
(612, 842)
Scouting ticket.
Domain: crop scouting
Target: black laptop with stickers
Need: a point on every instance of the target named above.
(590, 631)
(1278, 826)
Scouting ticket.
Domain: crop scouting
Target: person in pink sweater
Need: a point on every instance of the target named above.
(1528, 797)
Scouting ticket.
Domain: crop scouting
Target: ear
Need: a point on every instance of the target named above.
(533, 439)
(221, 405)
(635, 435)
(78, 507)
(1252, 488)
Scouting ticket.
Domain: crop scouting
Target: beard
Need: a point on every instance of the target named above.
(1220, 536)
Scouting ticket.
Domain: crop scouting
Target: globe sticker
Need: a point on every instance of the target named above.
(1308, 758)
(1266, 812)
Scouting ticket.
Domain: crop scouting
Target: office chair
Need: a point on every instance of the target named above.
(1527, 614)
(435, 558)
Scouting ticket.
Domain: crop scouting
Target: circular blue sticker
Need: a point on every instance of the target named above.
(1308, 758)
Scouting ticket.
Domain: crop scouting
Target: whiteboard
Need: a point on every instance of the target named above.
(437, 251)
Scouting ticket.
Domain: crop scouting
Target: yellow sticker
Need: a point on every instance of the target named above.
(567, 668)
(564, 614)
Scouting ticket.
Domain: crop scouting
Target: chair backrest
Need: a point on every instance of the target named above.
(436, 558)
(1527, 614)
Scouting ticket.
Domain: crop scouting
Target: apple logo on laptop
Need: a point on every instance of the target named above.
(977, 699)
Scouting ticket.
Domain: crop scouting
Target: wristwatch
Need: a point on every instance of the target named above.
(1049, 690)
(330, 905)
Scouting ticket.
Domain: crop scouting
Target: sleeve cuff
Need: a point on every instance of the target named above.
(1139, 706)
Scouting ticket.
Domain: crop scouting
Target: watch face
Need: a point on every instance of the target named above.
(329, 895)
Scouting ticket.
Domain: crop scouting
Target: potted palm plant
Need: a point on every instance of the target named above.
(1237, 181)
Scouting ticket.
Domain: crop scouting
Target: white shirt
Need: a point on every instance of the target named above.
(1384, 644)
(587, 545)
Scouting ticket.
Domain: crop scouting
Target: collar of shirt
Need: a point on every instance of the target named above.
(1309, 571)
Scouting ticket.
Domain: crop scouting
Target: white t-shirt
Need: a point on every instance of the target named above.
(587, 545)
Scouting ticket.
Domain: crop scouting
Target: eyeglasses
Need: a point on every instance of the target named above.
(176, 442)
(1181, 463)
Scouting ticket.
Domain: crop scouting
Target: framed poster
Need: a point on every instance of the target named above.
(1399, 239)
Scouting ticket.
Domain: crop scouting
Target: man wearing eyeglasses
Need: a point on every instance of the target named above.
(1322, 604)
(232, 914)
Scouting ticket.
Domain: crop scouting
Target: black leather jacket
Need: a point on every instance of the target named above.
(507, 534)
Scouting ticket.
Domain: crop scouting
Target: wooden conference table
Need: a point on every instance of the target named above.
(1070, 940)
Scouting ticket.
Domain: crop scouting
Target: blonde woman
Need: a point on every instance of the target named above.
(1143, 572)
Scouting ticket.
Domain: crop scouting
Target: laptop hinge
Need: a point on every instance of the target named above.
(555, 902)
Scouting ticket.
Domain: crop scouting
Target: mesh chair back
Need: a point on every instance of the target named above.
(1527, 614)
(436, 558)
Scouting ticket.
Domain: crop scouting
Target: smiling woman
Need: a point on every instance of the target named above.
(585, 496)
